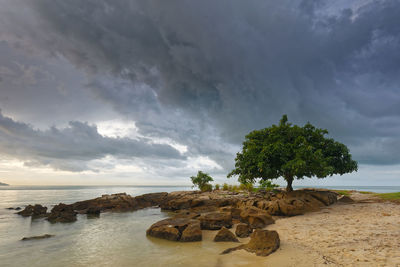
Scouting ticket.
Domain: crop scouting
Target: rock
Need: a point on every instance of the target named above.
(35, 211)
(168, 232)
(93, 212)
(192, 232)
(175, 229)
(215, 220)
(243, 230)
(62, 213)
(151, 199)
(256, 218)
(262, 243)
(36, 237)
(345, 199)
(11, 208)
(224, 235)
(116, 202)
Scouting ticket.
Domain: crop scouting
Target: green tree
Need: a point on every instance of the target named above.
(202, 181)
(291, 152)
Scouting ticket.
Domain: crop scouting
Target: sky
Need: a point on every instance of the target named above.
(107, 92)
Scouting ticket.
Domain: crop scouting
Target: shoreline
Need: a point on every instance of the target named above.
(339, 234)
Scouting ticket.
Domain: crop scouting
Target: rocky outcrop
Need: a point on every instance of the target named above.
(215, 220)
(176, 229)
(224, 235)
(243, 230)
(262, 243)
(36, 237)
(62, 213)
(35, 211)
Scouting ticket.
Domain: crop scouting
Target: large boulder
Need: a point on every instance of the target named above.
(243, 230)
(215, 220)
(256, 218)
(224, 235)
(192, 232)
(262, 243)
(168, 232)
(62, 213)
(35, 211)
(176, 229)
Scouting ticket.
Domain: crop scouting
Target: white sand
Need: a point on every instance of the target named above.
(360, 234)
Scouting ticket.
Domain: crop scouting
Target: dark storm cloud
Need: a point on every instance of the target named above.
(73, 147)
(204, 73)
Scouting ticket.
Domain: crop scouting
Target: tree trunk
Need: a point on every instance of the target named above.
(289, 187)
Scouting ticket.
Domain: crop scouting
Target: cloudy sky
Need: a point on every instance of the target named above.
(150, 92)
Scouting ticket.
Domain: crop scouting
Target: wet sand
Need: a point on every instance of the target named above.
(366, 233)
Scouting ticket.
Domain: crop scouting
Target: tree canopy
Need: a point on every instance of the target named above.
(291, 152)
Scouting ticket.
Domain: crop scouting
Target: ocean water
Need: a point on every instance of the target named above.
(114, 239)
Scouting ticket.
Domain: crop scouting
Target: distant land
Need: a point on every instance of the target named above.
(3, 184)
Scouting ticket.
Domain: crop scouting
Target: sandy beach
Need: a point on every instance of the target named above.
(366, 233)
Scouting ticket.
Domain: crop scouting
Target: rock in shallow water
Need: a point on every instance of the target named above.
(36, 237)
(62, 213)
(34, 211)
(176, 229)
(224, 235)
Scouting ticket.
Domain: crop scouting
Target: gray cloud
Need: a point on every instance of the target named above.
(73, 147)
(204, 73)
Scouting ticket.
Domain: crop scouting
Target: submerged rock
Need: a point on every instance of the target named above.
(262, 243)
(62, 213)
(243, 230)
(224, 235)
(36, 237)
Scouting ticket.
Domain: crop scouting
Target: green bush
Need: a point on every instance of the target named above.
(202, 181)
(225, 187)
(216, 187)
(267, 185)
(246, 187)
(206, 188)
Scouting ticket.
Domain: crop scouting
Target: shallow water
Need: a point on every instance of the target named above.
(114, 239)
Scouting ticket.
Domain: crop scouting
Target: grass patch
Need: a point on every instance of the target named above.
(389, 196)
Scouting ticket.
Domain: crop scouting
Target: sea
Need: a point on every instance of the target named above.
(113, 239)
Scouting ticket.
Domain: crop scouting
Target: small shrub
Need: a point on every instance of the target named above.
(267, 185)
(206, 188)
(235, 188)
(230, 187)
(225, 187)
(216, 187)
(202, 181)
(246, 187)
